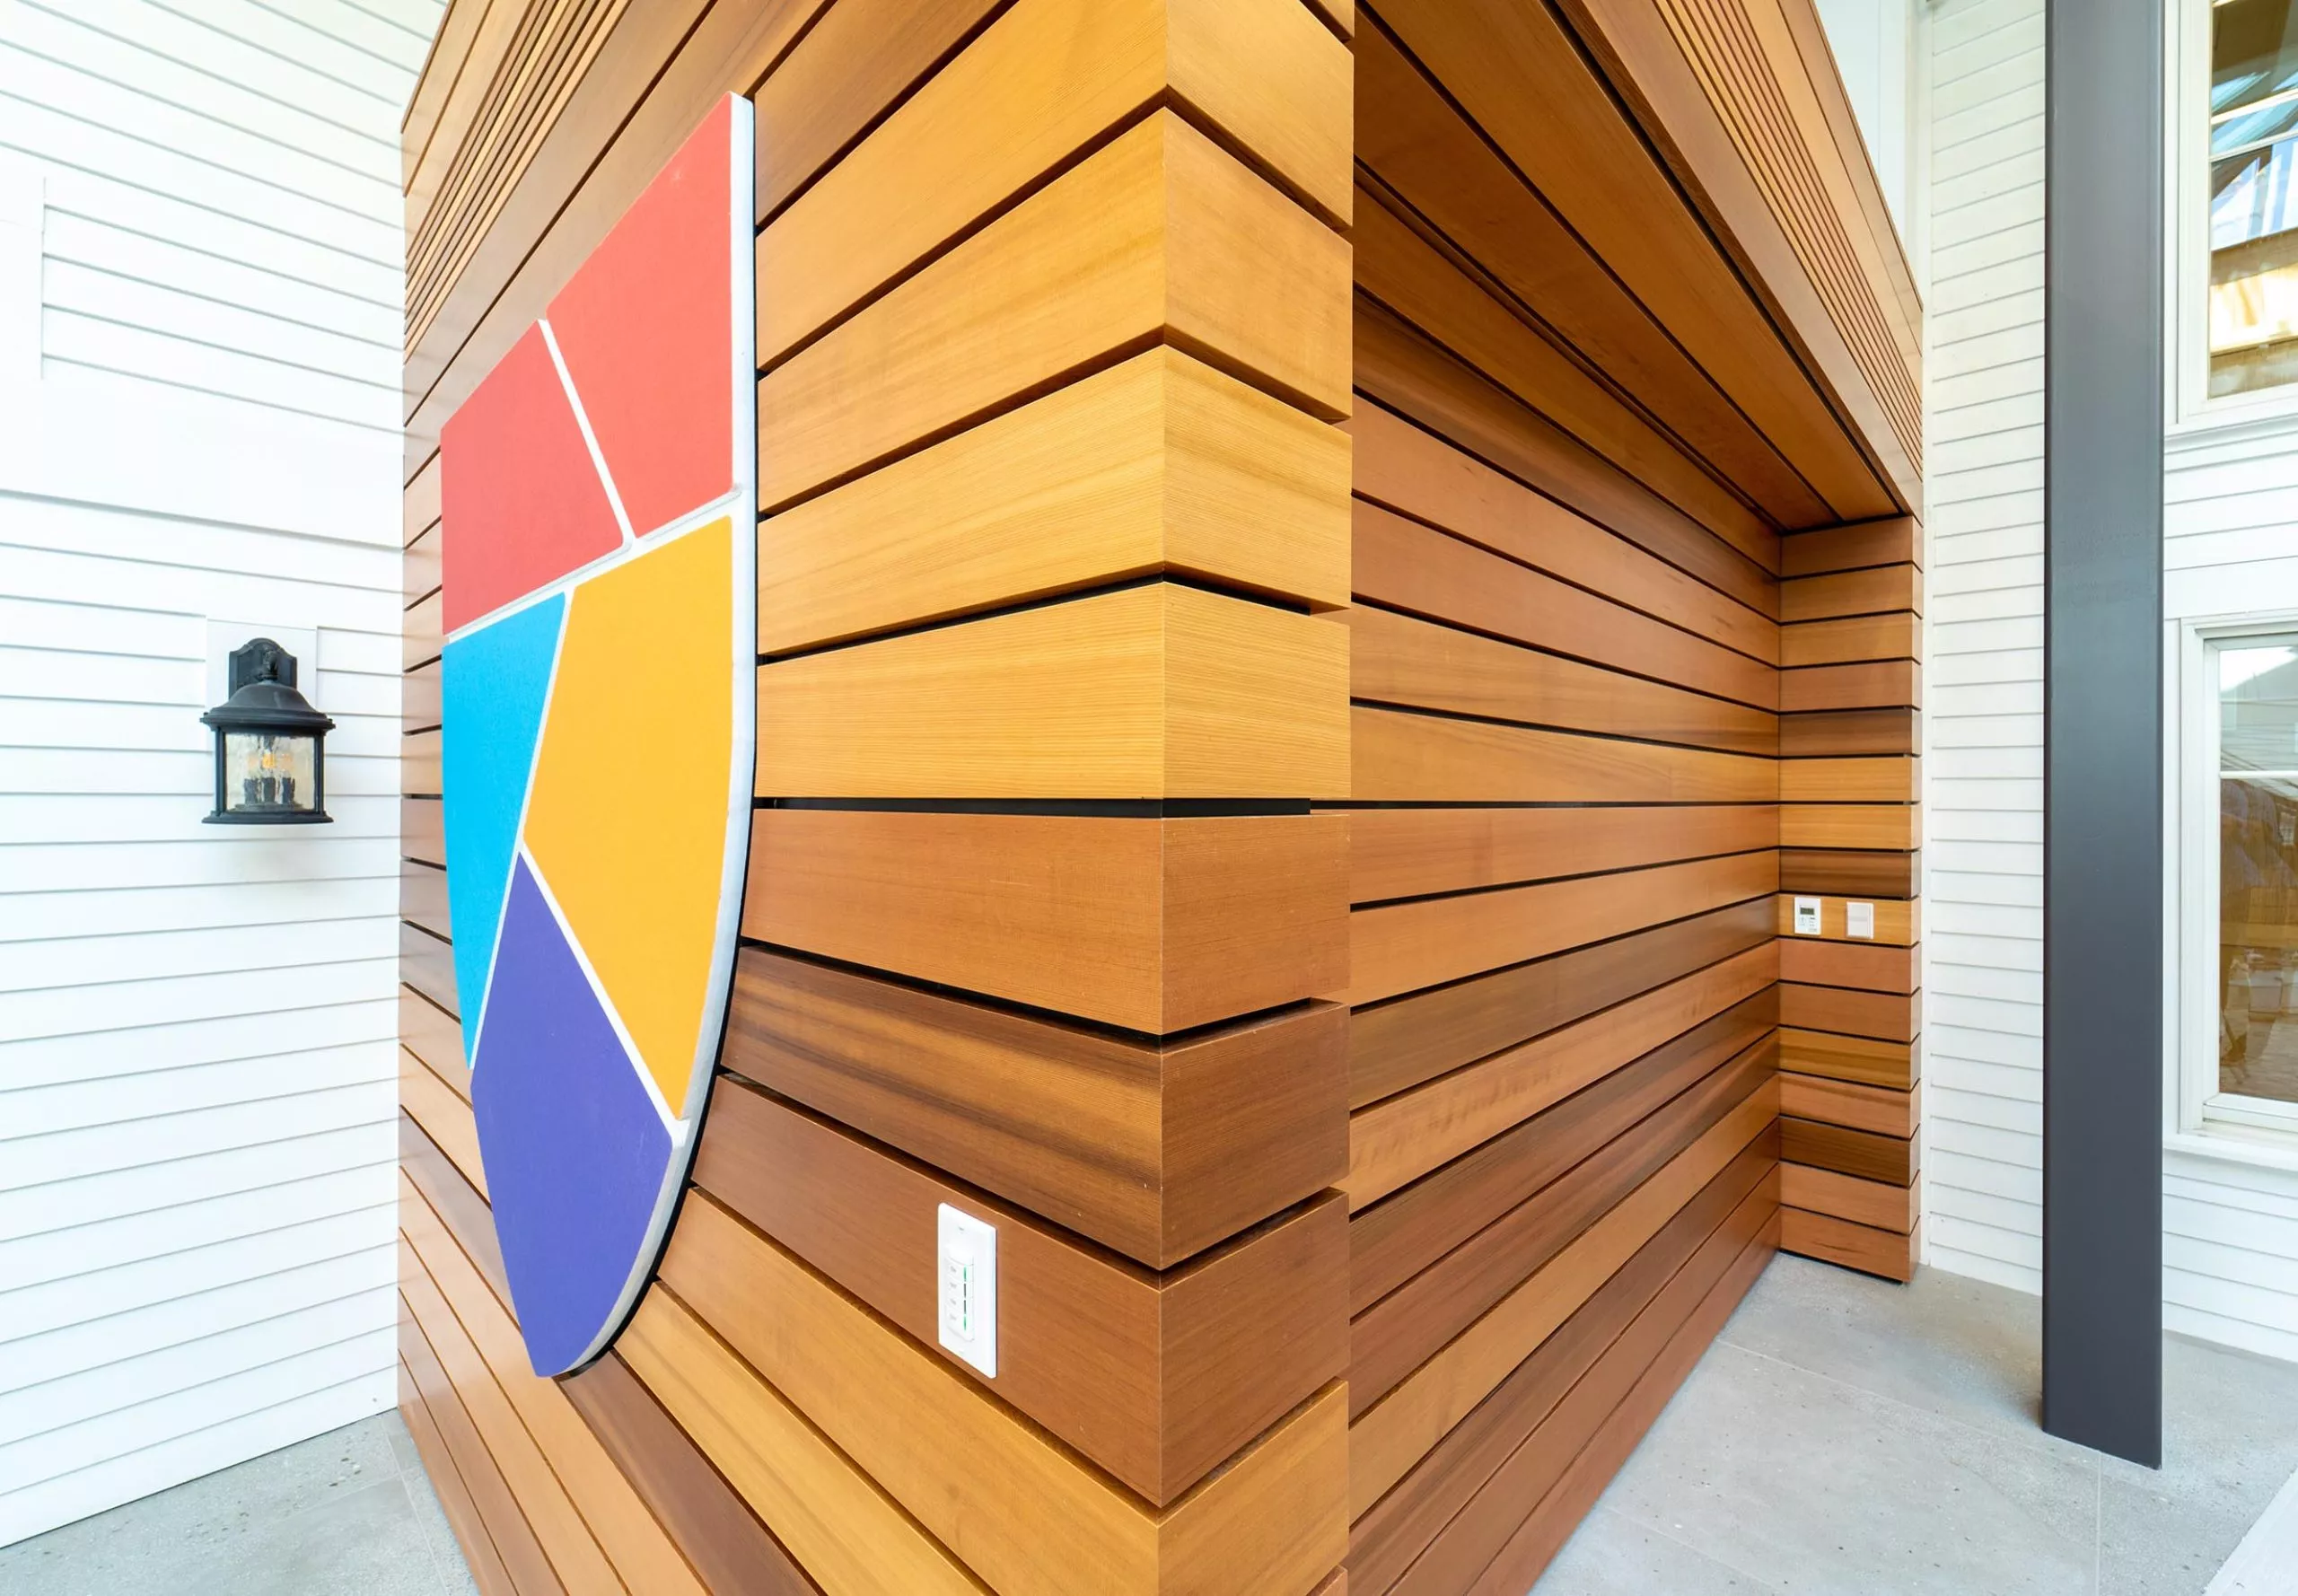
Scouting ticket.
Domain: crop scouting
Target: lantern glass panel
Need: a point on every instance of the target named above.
(268, 771)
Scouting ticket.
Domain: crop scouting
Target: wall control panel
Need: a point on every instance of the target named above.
(967, 1253)
(1859, 920)
(1807, 917)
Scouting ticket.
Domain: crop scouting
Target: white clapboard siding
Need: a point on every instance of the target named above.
(198, 1058)
(1982, 1041)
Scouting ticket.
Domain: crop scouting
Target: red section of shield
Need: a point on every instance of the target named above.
(645, 328)
(521, 503)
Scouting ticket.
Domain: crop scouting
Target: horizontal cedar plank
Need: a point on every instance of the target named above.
(642, 1556)
(1871, 1202)
(1813, 963)
(1153, 925)
(1419, 147)
(419, 507)
(1400, 947)
(1853, 641)
(1410, 278)
(1895, 540)
(423, 896)
(418, 697)
(1395, 1239)
(420, 634)
(1156, 1378)
(1404, 757)
(1159, 691)
(1883, 1110)
(1342, 16)
(421, 833)
(1892, 1160)
(471, 1538)
(1851, 872)
(1542, 1534)
(1894, 778)
(1888, 1016)
(1834, 733)
(1863, 1059)
(1882, 684)
(1411, 853)
(1405, 1136)
(1876, 825)
(1045, 80)
(1394, 1532)
(1406, 468)
(508, 1534)
(433, 1036)
(565, 1539)
(1397, 1045)
(1851, 1246)
(1396, 659)
(1397, 368)
(1732, 1212)
(731, 1549)
(1159, 235)
(456, 1201)
(419, 566)
(1879, 590)
(1160, 463)
(1397, 1433)
(658, 74)
(428, 964)
(1406, 566)
(1394, 1336)
(848, 1536)
(1157, 1151)
(444, 1118)
(861, 57)
(1025, 1515)
(1899, 923)
(419, 763)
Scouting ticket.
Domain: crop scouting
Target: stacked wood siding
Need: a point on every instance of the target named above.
(1269, 787)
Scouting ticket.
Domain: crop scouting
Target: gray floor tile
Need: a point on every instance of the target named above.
(2154, 1541)
(1613, 1556)
(438, 1535)
(410, 1461)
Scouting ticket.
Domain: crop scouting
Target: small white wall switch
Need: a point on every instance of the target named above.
(1859, 920)
(968, 1285)
(1807, 917)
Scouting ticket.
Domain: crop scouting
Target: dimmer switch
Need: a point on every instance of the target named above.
(968, 1285)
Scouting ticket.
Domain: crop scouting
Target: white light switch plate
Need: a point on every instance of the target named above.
(1807, 917)
(1859, 920)
(967, 1261)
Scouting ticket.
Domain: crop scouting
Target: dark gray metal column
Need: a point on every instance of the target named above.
(2103, 824)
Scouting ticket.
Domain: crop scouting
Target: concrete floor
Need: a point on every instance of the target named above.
(347, 1513)
(1843, 1436)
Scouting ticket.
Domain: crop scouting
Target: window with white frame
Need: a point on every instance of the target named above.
(2242, 949)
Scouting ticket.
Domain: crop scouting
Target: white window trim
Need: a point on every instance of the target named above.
(2205, 1119)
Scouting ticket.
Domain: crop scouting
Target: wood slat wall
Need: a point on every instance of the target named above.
(1312, 626)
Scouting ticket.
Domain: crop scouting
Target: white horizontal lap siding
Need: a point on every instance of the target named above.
(198, 1060)
(1982, 976)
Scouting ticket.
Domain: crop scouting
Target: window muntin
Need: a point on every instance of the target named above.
(2257, 711)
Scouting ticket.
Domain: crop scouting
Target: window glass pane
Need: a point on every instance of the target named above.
(2253, 296)
(2258, 869)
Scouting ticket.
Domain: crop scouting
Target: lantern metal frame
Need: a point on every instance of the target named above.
(263, 698)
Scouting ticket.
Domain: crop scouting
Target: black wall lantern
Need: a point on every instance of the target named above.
(270, 744)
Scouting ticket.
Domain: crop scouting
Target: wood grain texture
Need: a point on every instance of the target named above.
(1160, 463)
(428, 964)
(1895, 540)
(1156, 1151)
(1047, 79)
(1854, 640)
(433, 1036)
(419, 763)
(1404, 1136)
(1891, 1160)
(1874, 1203)
(418, 697)
(419, 567)
(1813, 962)
(507, 1550)
(1394, 1046)
(1899, 924)
(1875, 590)
(1405, 467)
(459, 1204)
(1400, 947)
(1866, 1060)
(1887, 1016)
(1850, 873)
(1155, 925)
(421, 833)
(423, 896)
(1023, 1513)
(1895, 826)
(1887, 779)
(1853, 1246)
(1395, 1433)
(1883, 1110)
(1159, 691)
(1412, 853)
(1883, 684)
(479, 1555)
(1157, 1379)
(1404, 757)
(421, 632)
(1831, 733)
(731, 1550)
(444, 1118)
(1160, 235)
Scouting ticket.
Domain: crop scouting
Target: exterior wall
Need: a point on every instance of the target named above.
(196, 1064)
(1983, 855)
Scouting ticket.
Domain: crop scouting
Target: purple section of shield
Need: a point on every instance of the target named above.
(575, 1155)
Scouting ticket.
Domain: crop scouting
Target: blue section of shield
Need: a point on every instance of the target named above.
(576, 1155)
(494, 683)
